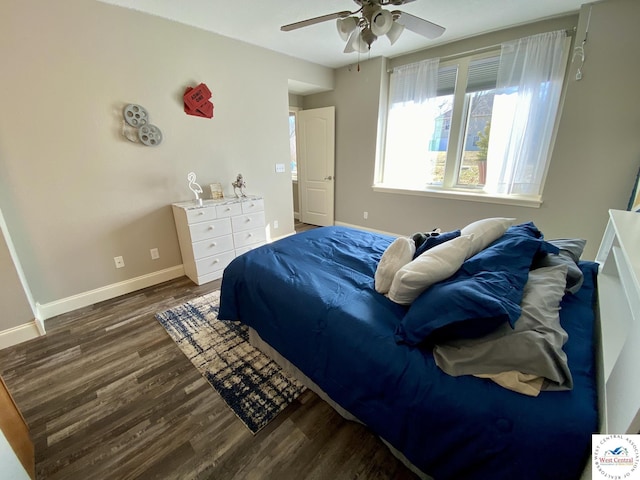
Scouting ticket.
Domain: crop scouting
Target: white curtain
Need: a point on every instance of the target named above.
(410, 123)
(525, 106)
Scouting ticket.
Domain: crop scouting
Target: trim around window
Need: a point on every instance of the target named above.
(398, 166)
(464, 195)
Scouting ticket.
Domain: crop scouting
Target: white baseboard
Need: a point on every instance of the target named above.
(19, 334)
(360, 227)
(282, 236)
(64, 305)
(40, 326)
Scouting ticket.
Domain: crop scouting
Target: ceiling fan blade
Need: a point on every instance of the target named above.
(420, 26)
(313, 21)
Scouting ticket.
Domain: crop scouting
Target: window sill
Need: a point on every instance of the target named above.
(465, 195)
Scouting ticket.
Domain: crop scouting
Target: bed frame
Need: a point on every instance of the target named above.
(617, 330)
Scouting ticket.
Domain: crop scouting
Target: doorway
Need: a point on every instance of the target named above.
(312, 146)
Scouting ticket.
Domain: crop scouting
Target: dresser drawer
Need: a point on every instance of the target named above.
(248, 222)
(251, 206)
(229, 210)
(214, 263)
(201, 215)
(212, 246)
(204, 230)
(249, 237)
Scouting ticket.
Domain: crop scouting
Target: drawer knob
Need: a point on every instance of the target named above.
(216, 261)
(200, 213)
(250, 235)
(211, 227)
(248, 219)
(214, 244)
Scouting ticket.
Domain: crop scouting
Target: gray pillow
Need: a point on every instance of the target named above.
(533, 346)
(570, 251)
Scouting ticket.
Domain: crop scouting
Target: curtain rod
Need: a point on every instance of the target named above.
(569, 32)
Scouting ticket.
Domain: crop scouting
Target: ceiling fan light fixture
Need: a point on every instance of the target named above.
(351, 42)
(357, 42)
(394, 32)
(346, 26)
(367, 37)
(360, 28)
(381, 22)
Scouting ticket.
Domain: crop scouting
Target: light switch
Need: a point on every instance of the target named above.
(280, 168)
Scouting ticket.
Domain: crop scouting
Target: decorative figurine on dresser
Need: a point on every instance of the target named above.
(194, 187)
(240, 185)
(213, 232)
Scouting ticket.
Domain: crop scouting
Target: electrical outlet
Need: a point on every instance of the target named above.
(275, 224)
(280, 168)
(119, 261)
(154, 254)
(365, 215)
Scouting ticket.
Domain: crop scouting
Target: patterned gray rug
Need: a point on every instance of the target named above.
(252, 384)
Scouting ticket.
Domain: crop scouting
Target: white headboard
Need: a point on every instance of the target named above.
(619, 308)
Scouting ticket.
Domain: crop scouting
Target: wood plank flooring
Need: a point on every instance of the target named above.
(108, 395)
(301, 227)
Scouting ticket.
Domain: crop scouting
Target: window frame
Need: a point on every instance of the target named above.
(449, 188)
(293, 112)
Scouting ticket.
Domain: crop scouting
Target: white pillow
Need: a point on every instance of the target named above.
(434, 265)
(485, 232)
(397, 255)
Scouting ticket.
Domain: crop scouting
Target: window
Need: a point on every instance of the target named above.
(479, 124)
(292, 146)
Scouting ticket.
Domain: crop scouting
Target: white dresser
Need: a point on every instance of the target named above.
(214, 233)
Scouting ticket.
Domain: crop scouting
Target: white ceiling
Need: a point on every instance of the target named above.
(258, 22)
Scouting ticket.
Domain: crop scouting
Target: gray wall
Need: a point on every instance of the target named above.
(295, 100)
(14, 304)
(74, 192)
(596, 154)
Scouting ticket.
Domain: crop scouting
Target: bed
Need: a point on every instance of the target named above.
(311, 301)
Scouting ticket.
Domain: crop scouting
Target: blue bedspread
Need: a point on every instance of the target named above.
(311, 296)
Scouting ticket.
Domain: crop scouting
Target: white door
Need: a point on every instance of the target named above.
(316, 165)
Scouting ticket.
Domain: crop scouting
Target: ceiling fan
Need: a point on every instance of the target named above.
(373, 21)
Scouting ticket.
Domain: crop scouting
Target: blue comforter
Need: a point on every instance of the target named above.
(311, 296)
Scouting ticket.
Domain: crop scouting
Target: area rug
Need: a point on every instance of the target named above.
(252, 384)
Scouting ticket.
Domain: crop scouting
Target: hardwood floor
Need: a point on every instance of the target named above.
(301, 227)
(108, 395)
